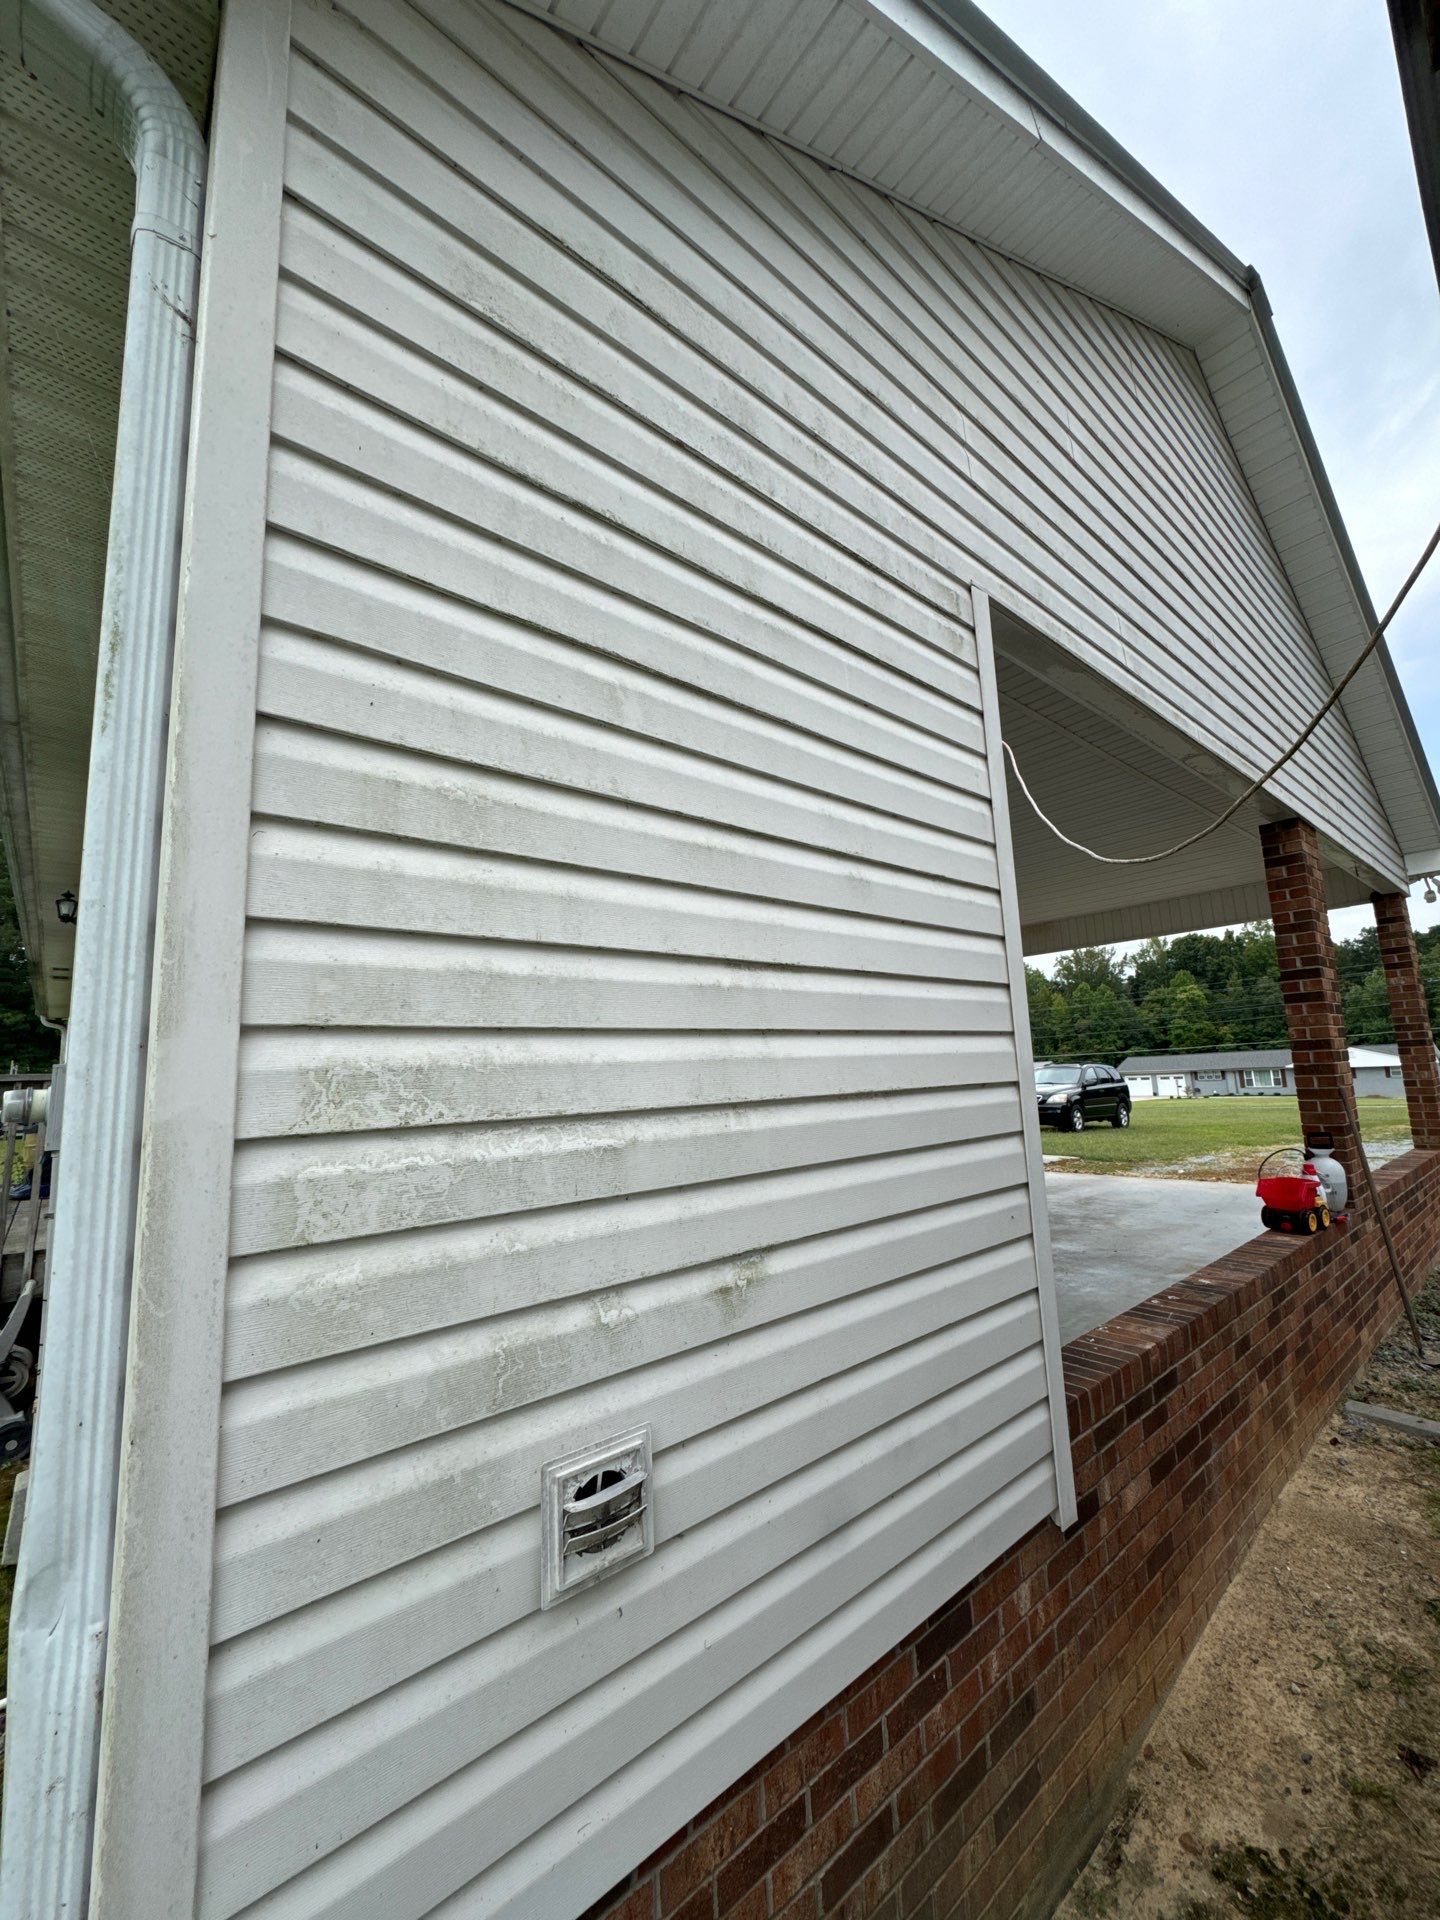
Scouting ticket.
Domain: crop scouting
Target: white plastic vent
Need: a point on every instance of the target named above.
(595, 1514)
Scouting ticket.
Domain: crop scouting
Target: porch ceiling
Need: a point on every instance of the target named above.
(1124, 782)
(65, 208)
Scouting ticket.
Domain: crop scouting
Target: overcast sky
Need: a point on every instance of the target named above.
(1279, 124)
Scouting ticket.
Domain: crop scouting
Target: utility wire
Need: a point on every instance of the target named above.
(1146, 859)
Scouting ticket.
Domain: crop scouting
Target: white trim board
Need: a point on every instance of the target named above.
(145, 1847)
(1065, 1513)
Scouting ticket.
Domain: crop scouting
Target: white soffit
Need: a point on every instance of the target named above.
(66, 198)
(927, 101)
(888, 92)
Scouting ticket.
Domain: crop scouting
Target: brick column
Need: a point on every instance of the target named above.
(1311, 986)
(1411, 1016)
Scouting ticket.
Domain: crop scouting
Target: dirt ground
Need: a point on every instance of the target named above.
(1294, 1772)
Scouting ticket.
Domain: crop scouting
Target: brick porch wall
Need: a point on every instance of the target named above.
(1314, 1015)
(969, 1773)
(1410, 1014)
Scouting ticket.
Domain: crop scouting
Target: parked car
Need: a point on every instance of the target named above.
(1070, 1096)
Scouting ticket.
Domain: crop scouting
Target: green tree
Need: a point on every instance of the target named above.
(1192, 1027)
(23, 1040)
(1089, 967)
(1150, 968)
(1367, 1010)
(1040, 997)
(1106, 1025)
(1177, 1017)
(1268, 1004)
(1234, 1010)
(1357, 959)
(1256, 945)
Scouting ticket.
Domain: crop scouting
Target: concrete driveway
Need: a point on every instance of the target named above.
(1118, 1238)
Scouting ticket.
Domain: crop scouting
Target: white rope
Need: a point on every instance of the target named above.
(1145, 859)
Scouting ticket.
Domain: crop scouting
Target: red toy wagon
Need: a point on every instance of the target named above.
(1292, 1202)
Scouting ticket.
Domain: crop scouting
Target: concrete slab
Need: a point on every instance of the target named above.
(1410, 1424)
(1119, 1238)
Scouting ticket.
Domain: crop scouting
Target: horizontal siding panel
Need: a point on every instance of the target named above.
(761, 504)
(277, 1431)
(343, 879)
(670, 551)
(292, 1546)
(686, 327)
(579, 583)
(315, 976)
(300, 775)
(1162, 619)
(296, 1193)
(542, 635)
(531, 1883)
(626, 997)
(271, 1684)
(391, 1751)
(300, 1303)
(291, 1083)
(487, 1808)
(329, 686)
(1176, 611)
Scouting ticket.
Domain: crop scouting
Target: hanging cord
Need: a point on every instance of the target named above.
(1430, 1366)
(1145, 859)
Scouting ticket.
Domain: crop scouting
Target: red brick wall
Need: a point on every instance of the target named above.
(1314, 1015)
(969, 1773)
(1411, 1016)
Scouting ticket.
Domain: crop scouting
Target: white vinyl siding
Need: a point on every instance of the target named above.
(1096, 485)
(628, 974)
(885, 92)
(627, 1027)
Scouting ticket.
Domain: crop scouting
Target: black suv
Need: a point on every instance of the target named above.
(1069, 1096)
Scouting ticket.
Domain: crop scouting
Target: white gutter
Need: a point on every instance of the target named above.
(60, 1615)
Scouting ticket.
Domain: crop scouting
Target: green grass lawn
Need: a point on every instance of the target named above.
(1221, 1139)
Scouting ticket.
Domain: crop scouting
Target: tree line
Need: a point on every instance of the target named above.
(24, 1043)
(1202, 992)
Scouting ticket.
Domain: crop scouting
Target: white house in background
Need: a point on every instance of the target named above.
(642, 459)
(1157, 1086)
(1258, 1070)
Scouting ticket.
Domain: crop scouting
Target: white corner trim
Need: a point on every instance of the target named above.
(153, 1725)
(1065, 1513)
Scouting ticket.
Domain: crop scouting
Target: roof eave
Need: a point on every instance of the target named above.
(1264, 318)
(1023, 73)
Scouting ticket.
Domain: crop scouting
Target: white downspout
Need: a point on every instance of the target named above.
(61, 1609)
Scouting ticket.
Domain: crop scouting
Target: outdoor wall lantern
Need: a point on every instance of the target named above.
(68, 908)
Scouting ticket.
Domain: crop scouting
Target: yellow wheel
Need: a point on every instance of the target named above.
(1311, 1221)
(1324, 1216)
